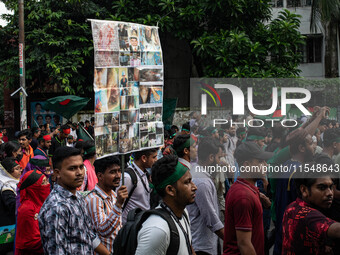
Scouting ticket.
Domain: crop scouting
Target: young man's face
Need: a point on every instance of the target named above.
(111, 177)
(63, 135)
(257, 168)
(71, 173)
(232, 131)
(185, 190)
(47, 144)
(37, 133)
(336, 146)
(215, 135)
(217, 157)
(150, 160)
(24, 142)
(320, 193)
(193, 152)
(260, 143)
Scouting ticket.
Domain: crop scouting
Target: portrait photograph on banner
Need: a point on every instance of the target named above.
(128, 83)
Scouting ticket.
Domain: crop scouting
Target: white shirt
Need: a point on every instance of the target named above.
(140, 197)
(154, 236)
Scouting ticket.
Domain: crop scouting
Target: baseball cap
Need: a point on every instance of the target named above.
(249, 150)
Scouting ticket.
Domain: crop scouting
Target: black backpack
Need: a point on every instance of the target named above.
(126, 240)
(154, 197)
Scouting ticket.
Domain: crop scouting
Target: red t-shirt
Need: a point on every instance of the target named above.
(304, 229)
(243, 211)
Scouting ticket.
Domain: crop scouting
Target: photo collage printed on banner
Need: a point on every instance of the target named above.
(150, 88)
(128, 67)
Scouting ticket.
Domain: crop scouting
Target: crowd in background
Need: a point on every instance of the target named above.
(58, 198)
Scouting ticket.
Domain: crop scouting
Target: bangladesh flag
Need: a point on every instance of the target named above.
(66, 106)
(83, 134)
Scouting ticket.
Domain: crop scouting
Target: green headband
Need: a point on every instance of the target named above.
(184, 129)
(255, 137)
(337, 140)
(180, 170)
(242, 133)
(187, 144)
(40, 162)
(172, 136)
(90, 150)
(214, 130)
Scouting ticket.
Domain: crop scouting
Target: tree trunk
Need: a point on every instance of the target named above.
(331, 50)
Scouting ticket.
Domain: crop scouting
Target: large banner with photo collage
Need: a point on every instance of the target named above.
(128, 85)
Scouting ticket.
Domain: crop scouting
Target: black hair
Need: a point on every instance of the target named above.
(47, 115)
(63, 153)
(278, 131)
(225, 125)
(39, 116)
(258, 131)
(303, 178)
(2, 151)
(35, 130)
(9, 164)
(178, 142)
(92, 119)
(79, 145)
(172, 133)
(65, 126)
(87, 121)
(207, 147)
(147, 153)
(161, 170)
(323, 122)
(37, 104)
(330, 135)
(88, 145)
(11, 147)
(25, 132)
(174, 127)
(56, 117)
(100, 165)
(186, 126)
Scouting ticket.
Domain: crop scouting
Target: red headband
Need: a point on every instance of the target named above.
(67, 131)
(47, 137)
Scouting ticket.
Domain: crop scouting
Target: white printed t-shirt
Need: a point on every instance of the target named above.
(154, 236)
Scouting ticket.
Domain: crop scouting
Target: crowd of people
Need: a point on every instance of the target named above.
(208, 190)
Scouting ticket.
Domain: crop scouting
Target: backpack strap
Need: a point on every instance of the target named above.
(174, 235)
(95, 191)
(134, 180)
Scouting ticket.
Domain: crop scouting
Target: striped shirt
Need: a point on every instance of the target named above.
(105, 219)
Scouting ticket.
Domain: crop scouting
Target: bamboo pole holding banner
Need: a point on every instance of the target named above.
(123, 168)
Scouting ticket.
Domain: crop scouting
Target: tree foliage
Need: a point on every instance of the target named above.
(229, 38)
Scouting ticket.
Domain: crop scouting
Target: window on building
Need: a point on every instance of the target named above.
(299, 3)
(277, 3)
(312, 50)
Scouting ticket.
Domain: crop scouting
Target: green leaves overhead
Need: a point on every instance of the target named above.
(229, 38)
